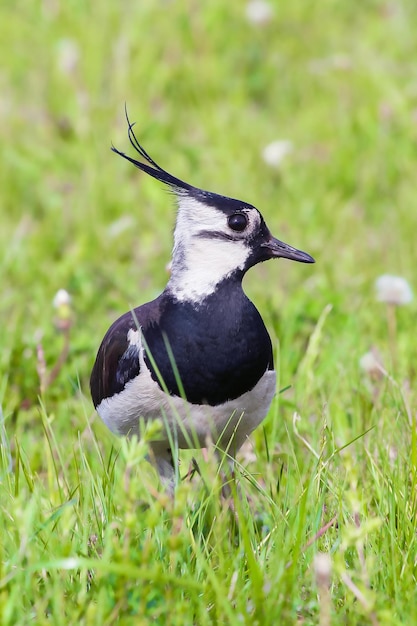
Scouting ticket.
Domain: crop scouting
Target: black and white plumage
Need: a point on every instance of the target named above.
(198, 357)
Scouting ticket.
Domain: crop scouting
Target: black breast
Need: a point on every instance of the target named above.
(212, 352)
(215, 351)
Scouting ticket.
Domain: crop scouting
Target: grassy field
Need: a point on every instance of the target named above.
(324, 531)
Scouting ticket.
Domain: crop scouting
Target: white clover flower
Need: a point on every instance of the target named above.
(68, 55)
(62, 304)
(259, 12)
(274, 153)
(322, 568)
(393, 290)
(341, 61)
(371, 364)
(119, 226)
(61, 298)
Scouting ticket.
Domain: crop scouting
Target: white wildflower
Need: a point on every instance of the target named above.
(68, 55)
(341, 61)
(338, 62)
(259, 12)
(61, 298)
(322, 569)
(371, 364)
(274, 153)
(393, 290)
(392, 454)
(322, 564)
(62, 304)
(121, 225)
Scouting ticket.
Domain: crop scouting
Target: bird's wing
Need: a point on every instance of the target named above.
(117, 360)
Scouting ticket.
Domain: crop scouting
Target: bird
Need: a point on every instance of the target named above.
(198, 358)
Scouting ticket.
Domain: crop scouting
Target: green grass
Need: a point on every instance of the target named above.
(88, 536)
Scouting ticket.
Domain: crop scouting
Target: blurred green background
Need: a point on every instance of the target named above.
(209, 90)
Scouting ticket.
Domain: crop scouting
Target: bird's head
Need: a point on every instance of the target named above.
(216, 237)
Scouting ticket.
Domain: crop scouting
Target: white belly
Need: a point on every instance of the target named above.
(189, 425)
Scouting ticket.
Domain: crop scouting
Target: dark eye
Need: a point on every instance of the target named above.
(238, 222)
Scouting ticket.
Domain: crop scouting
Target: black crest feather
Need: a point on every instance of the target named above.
(152, 168)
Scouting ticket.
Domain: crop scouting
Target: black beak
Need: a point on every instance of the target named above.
(275, 248)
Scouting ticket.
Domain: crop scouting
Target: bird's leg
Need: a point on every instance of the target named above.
(163, 461)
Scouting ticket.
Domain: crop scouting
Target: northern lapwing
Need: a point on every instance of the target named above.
(198, 357)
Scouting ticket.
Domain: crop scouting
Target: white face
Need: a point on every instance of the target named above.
(200, 261)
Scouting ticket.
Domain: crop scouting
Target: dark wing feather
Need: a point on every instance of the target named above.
(117, 361)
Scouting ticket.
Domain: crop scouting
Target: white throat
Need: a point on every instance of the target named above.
(199, 262)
